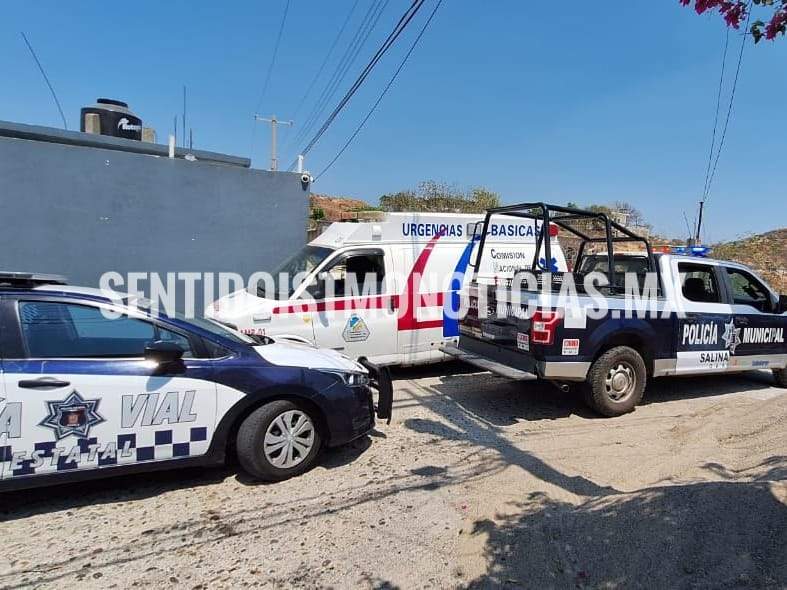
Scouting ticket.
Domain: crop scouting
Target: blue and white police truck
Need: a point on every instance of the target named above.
(91, 387)
(417, 263)
(702, 316)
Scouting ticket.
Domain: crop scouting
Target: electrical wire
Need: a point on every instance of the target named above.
(404, 21)
(718, 107)
(325, 61)
(732, 99)
(347, 60)
(383, 93)
(46, 79)
(273, 57)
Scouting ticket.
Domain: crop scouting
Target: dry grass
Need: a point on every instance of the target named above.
(766, 253)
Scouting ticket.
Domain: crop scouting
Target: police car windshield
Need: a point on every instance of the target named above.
(292, 272)
(206, 324)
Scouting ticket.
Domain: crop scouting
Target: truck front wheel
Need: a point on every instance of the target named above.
(616, 381)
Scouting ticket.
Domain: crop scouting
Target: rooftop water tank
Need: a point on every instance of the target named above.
(111, 117)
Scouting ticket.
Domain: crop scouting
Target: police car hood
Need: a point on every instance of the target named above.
(291, 354)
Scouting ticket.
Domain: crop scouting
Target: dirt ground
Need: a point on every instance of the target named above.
(478, 482)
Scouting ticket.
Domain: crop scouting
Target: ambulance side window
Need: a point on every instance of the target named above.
(351, 274)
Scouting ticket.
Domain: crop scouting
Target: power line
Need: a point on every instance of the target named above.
(706, 194)
(732, 99)
(390, 40)
(384, 92)
(347, 60)
(325, 61)
(718, 105)
(273, 57)
(46, 79)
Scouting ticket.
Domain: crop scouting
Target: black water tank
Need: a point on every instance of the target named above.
(114, 119)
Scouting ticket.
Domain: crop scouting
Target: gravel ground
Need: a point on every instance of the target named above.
(478, 482)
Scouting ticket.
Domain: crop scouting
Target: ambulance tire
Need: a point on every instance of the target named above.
(781, 377)
(616, 381)
(260, 437)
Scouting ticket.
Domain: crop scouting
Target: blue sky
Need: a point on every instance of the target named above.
(587, 102)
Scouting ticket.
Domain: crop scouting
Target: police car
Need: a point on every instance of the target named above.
(93, 387)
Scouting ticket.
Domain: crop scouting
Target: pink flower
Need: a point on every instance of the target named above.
(777, 24)
(734, 14)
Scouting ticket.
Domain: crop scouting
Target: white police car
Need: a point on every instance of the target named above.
(86, 393)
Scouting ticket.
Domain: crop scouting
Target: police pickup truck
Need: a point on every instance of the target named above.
(652, 315)
(92, 387)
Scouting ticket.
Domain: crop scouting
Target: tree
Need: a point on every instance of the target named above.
(634, 215)
(737, 11)
(440, 197)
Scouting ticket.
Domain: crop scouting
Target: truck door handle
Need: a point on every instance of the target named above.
(43, 383)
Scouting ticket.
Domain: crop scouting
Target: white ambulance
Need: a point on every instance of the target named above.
(386, 291)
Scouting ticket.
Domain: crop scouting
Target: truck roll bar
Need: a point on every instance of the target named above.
(560, 216)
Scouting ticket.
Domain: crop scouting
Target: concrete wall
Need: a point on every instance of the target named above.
(83, 210)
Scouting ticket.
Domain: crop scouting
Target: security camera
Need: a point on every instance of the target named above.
(306, 178)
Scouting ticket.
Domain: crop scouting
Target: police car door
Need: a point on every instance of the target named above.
(90, 400)
(10, 422)
(703, 335)
(356, 312)
(758, 338)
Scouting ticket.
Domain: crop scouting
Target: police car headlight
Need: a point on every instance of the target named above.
(350, 378)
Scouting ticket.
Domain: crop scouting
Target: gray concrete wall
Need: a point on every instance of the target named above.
(82, 211)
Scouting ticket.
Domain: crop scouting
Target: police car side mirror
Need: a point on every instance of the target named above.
(782, 304)
(163, 352)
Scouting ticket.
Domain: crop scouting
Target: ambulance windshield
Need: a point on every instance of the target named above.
(292, 272)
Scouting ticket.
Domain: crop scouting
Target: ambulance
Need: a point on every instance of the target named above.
(385, 291)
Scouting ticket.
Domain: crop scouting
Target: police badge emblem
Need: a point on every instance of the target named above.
(74, 415)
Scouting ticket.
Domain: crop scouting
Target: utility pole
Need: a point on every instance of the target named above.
(699, 222)
(274, 123)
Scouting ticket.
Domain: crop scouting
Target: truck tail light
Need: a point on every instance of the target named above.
(543, 326)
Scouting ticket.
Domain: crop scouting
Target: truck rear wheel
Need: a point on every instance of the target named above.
(781, 377)
(616, 381)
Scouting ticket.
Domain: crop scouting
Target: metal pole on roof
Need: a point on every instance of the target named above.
(699, 222)
(274, 123)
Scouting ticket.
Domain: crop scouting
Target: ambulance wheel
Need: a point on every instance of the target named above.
(781, 377)
(616, 381)
(278, 440)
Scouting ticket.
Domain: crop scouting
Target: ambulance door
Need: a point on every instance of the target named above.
(426, 272)
(356, 304)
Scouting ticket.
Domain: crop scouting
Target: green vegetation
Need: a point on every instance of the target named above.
(440, 197)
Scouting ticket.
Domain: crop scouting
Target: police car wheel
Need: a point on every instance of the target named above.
(781, 377)
(616, 381)
(278, 440)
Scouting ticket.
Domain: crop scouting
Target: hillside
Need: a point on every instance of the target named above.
(336, 208)
(766, 253)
